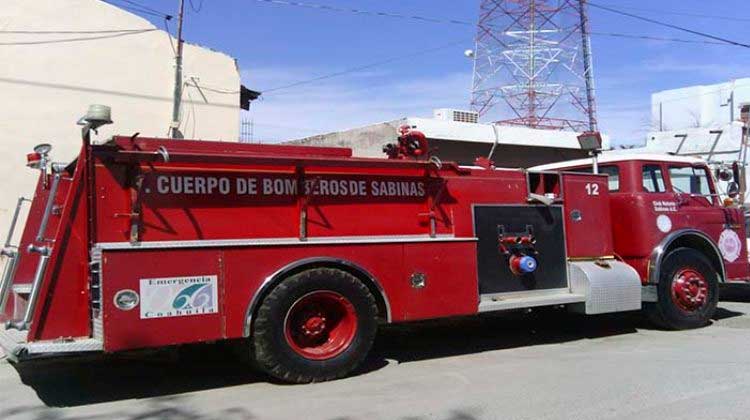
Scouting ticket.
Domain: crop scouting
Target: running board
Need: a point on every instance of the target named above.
(13, 343)
(503, 303)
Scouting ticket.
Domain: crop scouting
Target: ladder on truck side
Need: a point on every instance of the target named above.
(11, 253)
(14, 334)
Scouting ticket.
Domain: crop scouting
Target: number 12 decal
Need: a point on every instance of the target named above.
(592, 189)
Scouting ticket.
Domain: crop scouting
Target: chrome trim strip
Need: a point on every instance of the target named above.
(658, 253)
(277, 275)
(331, 240)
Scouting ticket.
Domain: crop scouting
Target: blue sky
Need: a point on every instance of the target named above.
(276, 45)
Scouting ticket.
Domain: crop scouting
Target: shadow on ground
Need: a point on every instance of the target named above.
(89, 380)
(161, 408)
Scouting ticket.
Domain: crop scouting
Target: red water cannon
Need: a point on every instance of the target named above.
(411, 144)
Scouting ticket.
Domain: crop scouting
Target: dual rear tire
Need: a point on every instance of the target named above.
(315, 326)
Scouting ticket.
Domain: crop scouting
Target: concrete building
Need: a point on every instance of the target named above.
(49, 76)
(707, 106)
(699, 121)
(454, 139)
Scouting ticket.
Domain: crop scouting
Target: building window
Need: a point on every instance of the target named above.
(653, 179)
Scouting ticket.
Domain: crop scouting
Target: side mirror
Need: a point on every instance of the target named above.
(733, 190)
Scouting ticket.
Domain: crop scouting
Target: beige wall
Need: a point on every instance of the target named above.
(44, 89)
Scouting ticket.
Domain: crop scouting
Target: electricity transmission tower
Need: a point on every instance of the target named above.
(532, 64)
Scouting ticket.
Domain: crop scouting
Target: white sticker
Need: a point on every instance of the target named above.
(730, 245)
(665, 206)
(179, 296)
(664, 223)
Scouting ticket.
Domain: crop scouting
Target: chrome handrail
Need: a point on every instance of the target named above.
(14, 221)
(48, 208)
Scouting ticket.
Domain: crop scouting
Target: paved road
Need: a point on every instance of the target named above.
(550, 365)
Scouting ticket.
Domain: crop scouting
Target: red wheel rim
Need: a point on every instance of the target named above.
(689, 290)
(320, 325)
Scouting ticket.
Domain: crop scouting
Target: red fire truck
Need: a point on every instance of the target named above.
(301, 251)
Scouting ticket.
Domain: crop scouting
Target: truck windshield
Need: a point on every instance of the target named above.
(690, 180)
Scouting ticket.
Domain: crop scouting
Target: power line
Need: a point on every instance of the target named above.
(139, 8)
(427, 19)
(366, 12)
(669, 25)
(146, 8)
(169, 36)
(676, 13)
(103, 31)
(401, 57)
(657, 38)
(81, 39)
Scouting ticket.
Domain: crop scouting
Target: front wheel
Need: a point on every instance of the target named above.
(687, 291)
(315, 326)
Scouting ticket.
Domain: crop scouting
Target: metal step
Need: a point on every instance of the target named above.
(502, 302)
(17, 348)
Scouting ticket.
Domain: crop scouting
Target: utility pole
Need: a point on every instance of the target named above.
(175, 126)
(588, 66)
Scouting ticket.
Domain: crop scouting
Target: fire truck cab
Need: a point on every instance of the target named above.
(300, 253)
(666, 209)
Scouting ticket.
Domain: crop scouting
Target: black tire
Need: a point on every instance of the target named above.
(666, 312)
(272, 350)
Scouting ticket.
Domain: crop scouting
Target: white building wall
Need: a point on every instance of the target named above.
(46, 88)
(698, 106)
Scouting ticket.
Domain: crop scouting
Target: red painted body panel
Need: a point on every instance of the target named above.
(449, 269)
(589, 196)
(124, 270)
(226, 191)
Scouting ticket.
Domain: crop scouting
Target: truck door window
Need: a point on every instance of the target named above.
(653, 179)
(690, 180)
(613, 173)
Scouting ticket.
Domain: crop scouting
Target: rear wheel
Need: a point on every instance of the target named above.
(315, 326)
(687, 289)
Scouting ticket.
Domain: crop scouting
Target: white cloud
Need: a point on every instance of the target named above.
(354, 100)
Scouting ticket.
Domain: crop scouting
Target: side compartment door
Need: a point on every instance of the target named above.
(588, 223)
(179, 297)
(546, 225)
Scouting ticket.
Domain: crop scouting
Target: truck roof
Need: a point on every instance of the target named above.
(618, 157)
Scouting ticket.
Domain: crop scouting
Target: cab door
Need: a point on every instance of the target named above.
(699, 207)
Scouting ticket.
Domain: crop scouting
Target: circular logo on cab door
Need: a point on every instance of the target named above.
(730, 245)
(664, 223)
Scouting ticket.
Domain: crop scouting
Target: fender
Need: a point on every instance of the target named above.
(692, 236)
(272, 280)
